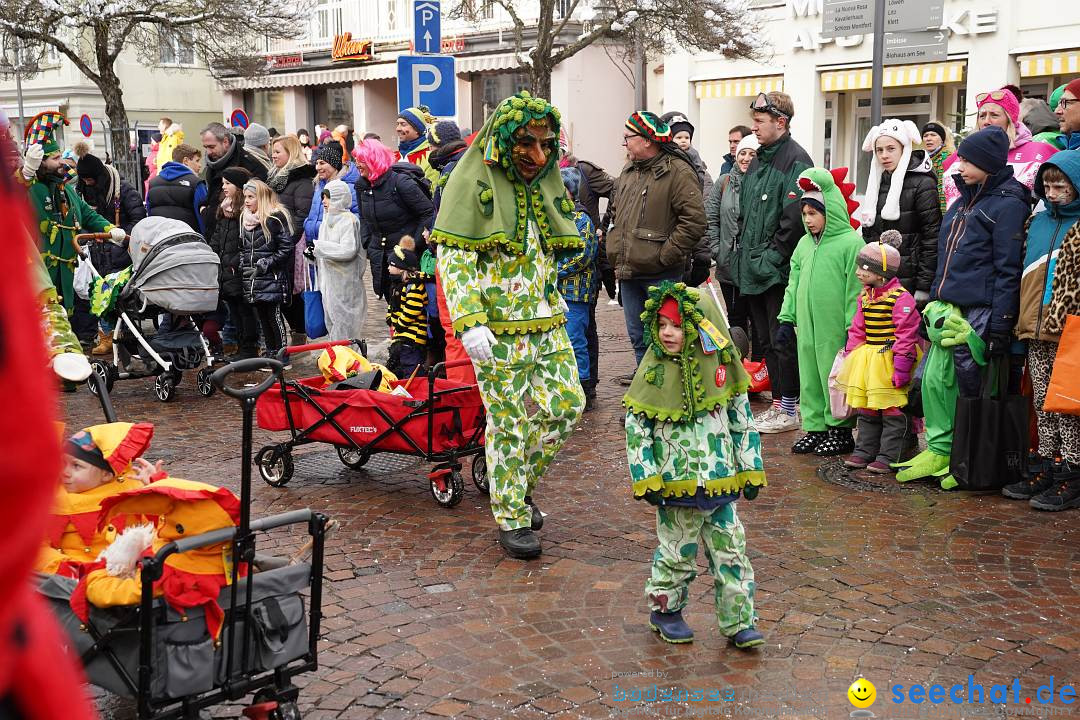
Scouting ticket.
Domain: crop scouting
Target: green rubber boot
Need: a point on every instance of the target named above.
(925, 464)
(949, 482)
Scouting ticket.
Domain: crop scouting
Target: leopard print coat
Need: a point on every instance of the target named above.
(1065, 296)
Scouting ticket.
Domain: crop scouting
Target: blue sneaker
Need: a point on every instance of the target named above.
(748, 638)
(671, 626)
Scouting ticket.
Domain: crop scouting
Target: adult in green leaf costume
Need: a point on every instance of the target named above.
(504, 214)
(692, 447)
(947, 329)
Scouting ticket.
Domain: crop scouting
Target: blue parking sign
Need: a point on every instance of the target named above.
(427, 80)
(427, 26)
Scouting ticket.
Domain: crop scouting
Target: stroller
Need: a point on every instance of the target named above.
(167, 660)
(173, 271)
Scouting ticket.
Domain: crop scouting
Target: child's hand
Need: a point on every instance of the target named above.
(147, 473)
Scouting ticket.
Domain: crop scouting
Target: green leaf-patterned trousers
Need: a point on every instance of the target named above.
(519, 447)
(679, 531)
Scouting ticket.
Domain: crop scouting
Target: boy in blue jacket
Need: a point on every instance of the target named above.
(980, 249)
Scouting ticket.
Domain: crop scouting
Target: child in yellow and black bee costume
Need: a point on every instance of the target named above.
(406, 310)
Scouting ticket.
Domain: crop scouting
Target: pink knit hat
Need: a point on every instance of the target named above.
(1003, 98)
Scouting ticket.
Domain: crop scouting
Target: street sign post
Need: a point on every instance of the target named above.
(427, 80)
(427, 26)
(916, 47)
(856, 17)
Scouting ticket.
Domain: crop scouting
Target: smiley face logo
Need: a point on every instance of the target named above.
(862, 693)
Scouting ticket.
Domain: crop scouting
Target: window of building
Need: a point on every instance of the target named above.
(332, 105)
(326, 21)
(175, 48)
(391, 16)
(490, 89)
(266, 107)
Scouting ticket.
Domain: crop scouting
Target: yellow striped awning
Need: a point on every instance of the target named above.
(738, 87)
(894, 76)
(1066, 62)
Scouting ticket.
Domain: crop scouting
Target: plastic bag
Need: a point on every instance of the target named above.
(84, 277)
(838, 404)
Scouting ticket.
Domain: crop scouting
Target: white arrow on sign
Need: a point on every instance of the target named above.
(427, 41)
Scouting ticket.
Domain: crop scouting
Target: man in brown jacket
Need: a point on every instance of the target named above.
(658, 217)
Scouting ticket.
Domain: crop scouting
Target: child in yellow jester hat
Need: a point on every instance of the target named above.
(100, 462)
(182, 508)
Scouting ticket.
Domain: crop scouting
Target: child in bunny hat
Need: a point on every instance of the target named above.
(901, 195)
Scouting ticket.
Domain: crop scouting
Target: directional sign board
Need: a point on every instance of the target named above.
(427, 26)
(427, 80)
(847, 17)
(856, 17)
(916, 47)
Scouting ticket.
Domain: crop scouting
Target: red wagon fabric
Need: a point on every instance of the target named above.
(369, 417)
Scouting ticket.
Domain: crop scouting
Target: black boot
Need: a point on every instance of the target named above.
(537, 516)
(1064, 493)
(809, 442)
(521, 543)
(1037, 481)
(839, 441)
(589, 388)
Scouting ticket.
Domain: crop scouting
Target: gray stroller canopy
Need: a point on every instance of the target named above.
(174, 268)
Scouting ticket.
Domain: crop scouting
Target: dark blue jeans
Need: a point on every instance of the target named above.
(634, 293)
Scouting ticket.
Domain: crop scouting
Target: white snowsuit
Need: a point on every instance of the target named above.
(341, 263)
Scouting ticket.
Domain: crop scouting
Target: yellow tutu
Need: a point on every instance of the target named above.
(866, 378)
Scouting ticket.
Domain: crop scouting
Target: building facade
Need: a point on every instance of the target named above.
(990, 44)
(178, 86)
(345, 71)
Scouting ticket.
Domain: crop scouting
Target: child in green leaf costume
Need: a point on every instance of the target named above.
(504, 214)
(692, 447)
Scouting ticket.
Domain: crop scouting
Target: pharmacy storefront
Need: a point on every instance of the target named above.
(829, 79)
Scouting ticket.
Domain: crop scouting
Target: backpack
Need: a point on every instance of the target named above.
(415, 172)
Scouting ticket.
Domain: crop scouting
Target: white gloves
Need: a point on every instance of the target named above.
(478, 342)
(71, 366)
(117, 236)
(32, 160)
(921, 298)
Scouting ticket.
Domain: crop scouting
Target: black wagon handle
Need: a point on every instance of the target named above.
(247, 366)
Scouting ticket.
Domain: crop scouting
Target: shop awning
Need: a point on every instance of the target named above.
(324, 76)
(1062, 62)
(738, 87)
(894, 76)
(487, 63)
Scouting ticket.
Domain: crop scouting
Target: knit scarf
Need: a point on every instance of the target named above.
(704, 375)
(487, 204)
(938, 159)
(249, 219)
(407, 146)
(278, 177)
(225, 160)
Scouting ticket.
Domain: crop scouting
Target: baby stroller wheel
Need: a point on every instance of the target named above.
(352, 458)
(287, 711)
(274, 467)
(165, 387)
(104, 374)
(206, 386)
(447, 487)
(479, 473)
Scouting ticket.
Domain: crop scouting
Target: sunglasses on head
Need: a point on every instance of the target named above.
(995, 95)
(762, 103)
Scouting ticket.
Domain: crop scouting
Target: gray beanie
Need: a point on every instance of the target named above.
(256, 136)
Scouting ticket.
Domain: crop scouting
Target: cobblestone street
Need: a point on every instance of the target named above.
(426, 617)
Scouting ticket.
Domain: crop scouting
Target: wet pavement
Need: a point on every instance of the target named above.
(426, 617)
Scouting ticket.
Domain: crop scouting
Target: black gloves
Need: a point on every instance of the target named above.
(997, 344)
(750, 491)
(785, 335)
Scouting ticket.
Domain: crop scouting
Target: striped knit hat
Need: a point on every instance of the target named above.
(882, 257)
(649, 126)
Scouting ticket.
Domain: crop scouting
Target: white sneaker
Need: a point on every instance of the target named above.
(766, 418)
(783, 423)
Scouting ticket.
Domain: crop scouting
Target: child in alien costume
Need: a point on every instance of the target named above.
(503, 216)
(947, 329)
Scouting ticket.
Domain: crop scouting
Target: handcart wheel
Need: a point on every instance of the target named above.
(206, 385)
(165, 387)
(447, 488)
(479, 473)
(276, 471)
(286, 711)
(104, 374)
(352, 458)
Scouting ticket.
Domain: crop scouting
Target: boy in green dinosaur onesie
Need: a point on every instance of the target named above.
(947, 329)
(820, 301)
(503, 216)
(692, 447)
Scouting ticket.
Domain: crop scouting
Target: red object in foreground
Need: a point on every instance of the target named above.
(37, 675)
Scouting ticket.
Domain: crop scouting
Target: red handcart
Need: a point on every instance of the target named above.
(442, 422)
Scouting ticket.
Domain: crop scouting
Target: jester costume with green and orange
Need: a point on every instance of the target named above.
(61, 212)
(692, 447)
(498, 234)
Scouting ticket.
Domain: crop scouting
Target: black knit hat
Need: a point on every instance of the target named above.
(987, 149)
(403, 259)
(331, 154)
(935, 128)
(678, 123)
(236, 175)
(90, 166)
